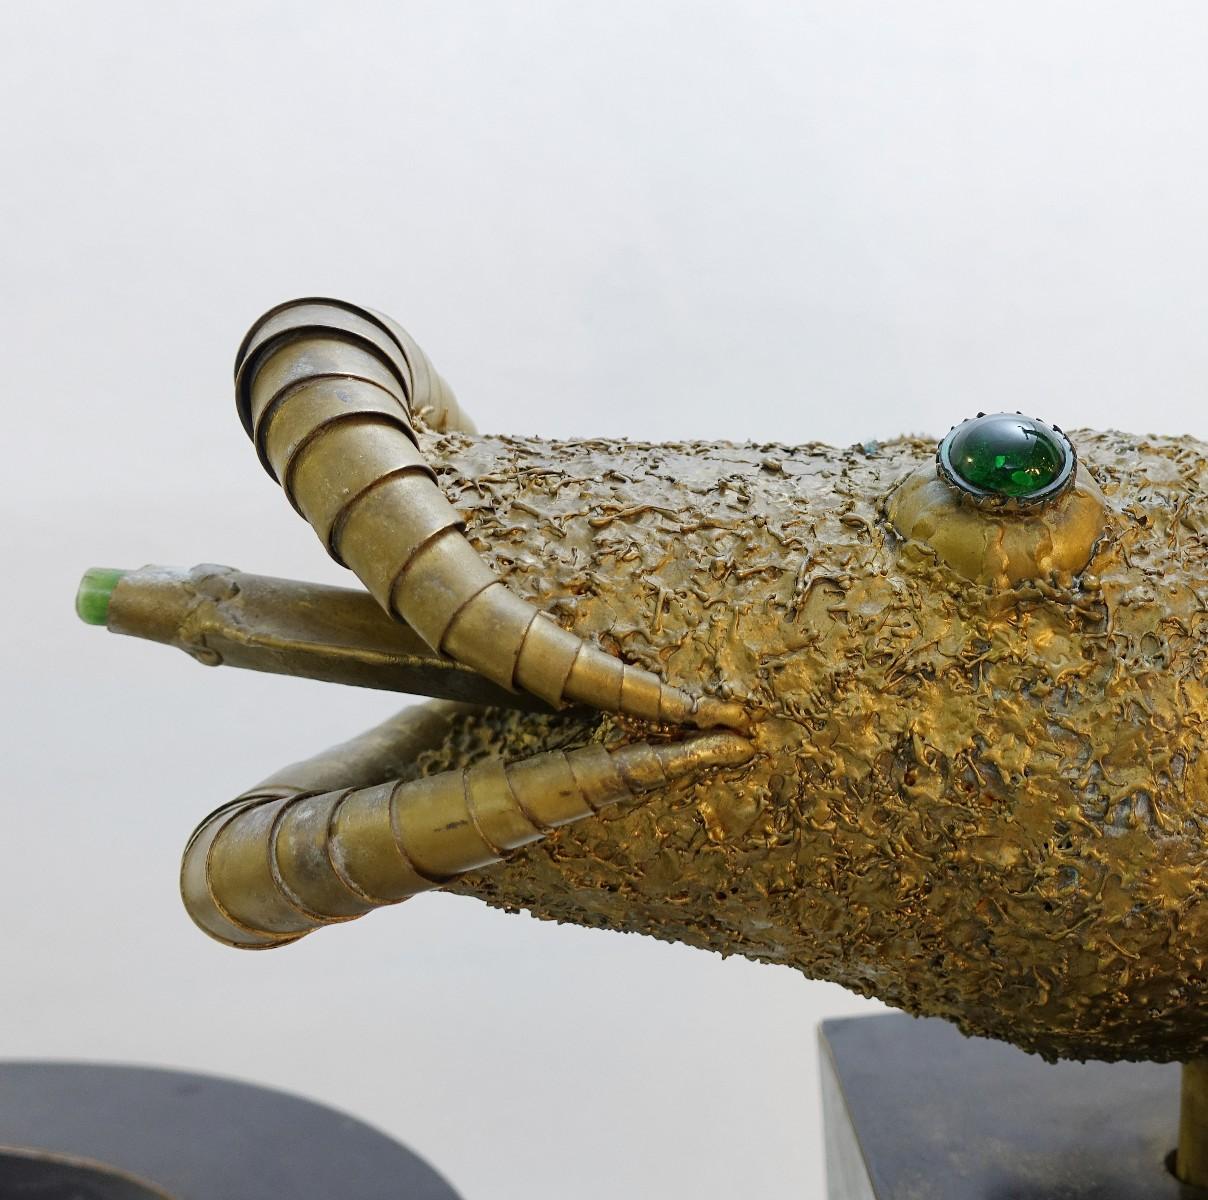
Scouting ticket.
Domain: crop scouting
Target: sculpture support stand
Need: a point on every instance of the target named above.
(1192, 1163)
(915, 1110)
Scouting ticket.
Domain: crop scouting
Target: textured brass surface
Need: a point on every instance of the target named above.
(975, 801)
(977, 784)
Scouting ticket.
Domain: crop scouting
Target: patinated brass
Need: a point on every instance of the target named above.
(967, 769)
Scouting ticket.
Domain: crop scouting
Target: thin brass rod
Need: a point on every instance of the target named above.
(221, 616)
(1192, 1162)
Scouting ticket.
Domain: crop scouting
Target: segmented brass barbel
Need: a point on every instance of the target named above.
(279, 862)
(329, 392)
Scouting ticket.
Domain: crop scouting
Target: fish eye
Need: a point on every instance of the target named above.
(1004, 500)
(1006, 460)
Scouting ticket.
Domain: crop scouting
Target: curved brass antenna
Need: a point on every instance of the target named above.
(287, 857)
(330, 394)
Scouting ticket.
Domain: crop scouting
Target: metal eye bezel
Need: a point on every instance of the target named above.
(981, 497)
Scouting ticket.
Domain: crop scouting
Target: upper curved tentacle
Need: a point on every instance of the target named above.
(330, 393)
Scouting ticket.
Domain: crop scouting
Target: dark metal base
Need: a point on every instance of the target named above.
(916, 1111)
(74, 1131)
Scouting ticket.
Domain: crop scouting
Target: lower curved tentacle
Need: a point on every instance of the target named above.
(336, 836)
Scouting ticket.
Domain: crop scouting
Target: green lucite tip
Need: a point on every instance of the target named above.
(1007, 455)
(92, 600)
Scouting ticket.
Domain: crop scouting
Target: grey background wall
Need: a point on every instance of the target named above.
(661, 220)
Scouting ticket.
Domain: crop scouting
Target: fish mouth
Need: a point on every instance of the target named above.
(351, 829)
(332, 396)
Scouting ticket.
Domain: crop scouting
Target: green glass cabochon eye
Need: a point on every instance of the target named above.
(1002, 457)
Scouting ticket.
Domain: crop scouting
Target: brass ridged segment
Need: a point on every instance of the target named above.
(302, 859)
(383, 528)
(433, 822)
(545, 660)
(240, 875)
(446, 574)
(366, 849)
(312, 406)
(488, 633)
(329, 492)
(494, 809)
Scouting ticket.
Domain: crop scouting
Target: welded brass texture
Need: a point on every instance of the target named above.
(979, 800)
(979, 780)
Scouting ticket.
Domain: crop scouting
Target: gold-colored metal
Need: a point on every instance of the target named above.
(981, 801)
(978, 778)
(1191, 1161)
(281, 862)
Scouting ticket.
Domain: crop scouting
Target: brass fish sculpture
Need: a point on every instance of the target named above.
(931, 728)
